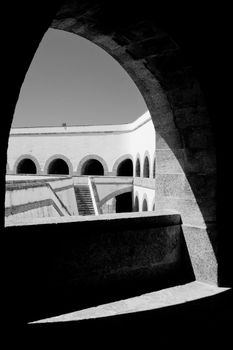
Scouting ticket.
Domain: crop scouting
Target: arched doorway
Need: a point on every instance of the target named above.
(26, 166)
(58, 166)
(136, 204)
(146, 168)
(154, 169)
(125, 168)
(124, 203)
(144, 205)
(92, 167)
(138, 168)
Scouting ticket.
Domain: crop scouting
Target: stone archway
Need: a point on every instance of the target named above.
(123, 166)
(26, 166)
(136, 203)
(154, 167)
(58, 164)
(185, 152)
(146, 165)
(92, 167)
(175, 101)
(101, 165)
(144, 203)
(138, 166)
(31, 164)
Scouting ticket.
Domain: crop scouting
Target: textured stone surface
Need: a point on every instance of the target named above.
(191, 213)
(166, 139)
(169, 161)
(202, 253)
(172, 185)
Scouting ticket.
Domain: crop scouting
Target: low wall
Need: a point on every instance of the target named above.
(83, 262)
(62, 186)
(32, 200)
(64, 189)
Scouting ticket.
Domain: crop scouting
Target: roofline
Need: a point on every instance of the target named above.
(106, 128)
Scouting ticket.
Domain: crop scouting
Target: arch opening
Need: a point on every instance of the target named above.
(58, 166)
(125, 168)
(26, 166)
(92, 167)
(154, 169)
(146, 168)
(144, 205)
(138, 168)
(136, 204)
(124, 203)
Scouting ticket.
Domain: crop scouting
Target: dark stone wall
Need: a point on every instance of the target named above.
(60, 268)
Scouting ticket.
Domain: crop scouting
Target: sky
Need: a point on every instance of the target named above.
(73, 81)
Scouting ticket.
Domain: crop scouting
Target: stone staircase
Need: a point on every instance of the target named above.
(84, 200)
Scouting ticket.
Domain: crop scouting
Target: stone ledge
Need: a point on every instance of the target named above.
(157, 218)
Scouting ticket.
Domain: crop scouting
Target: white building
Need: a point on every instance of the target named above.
(126, 150)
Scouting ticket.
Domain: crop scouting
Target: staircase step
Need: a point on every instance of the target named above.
(84, 200)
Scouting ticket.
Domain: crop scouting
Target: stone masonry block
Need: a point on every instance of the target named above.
(201, 253)
(170, 185)
(169, 161)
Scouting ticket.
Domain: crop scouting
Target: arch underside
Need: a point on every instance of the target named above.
(175, 101)
(115, 194)
(185, 154)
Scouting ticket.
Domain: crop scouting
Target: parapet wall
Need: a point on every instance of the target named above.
(81, 263)
(37, 196)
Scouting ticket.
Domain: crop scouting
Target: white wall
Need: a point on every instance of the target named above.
(109, 142)
(141, 193)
